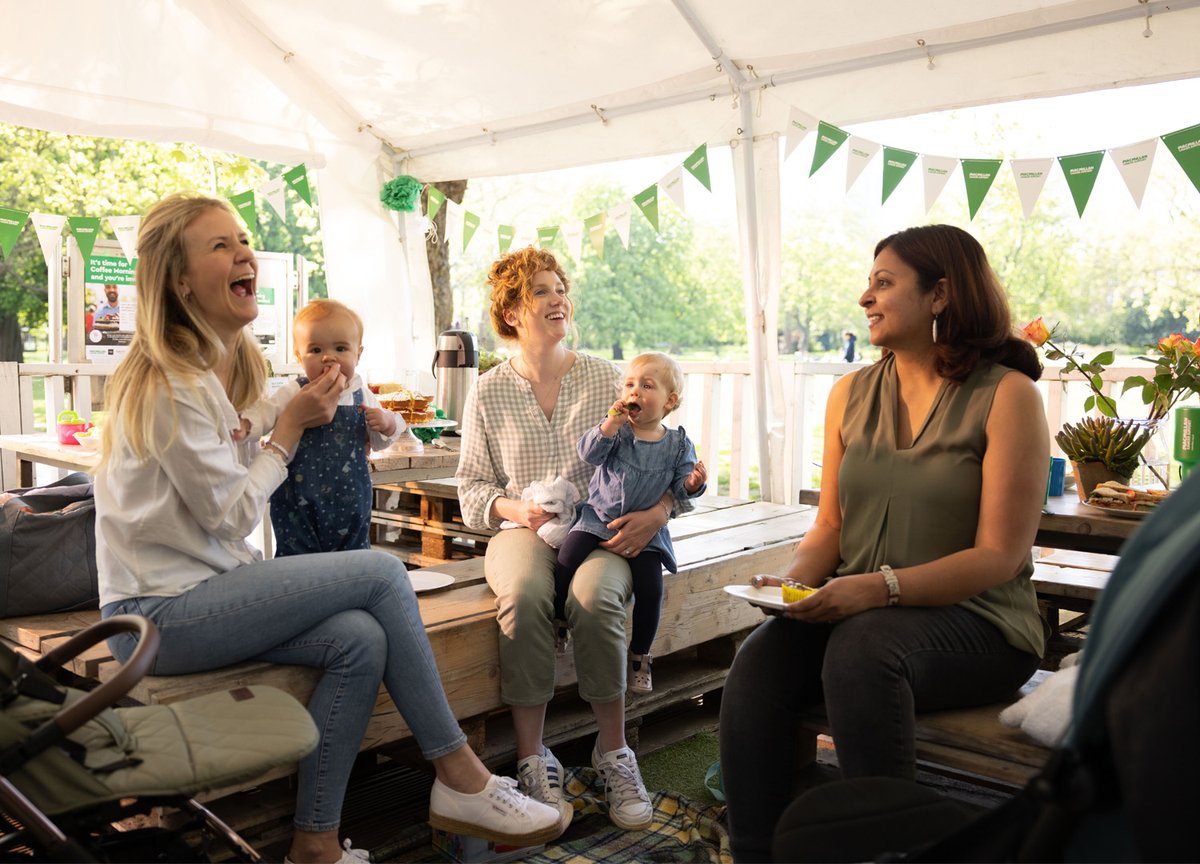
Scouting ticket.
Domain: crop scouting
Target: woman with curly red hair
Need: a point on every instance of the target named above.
(521, 424)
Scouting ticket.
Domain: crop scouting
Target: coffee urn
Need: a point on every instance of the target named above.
(456, 366)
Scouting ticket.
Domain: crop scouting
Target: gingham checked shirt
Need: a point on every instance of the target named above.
(507, 442)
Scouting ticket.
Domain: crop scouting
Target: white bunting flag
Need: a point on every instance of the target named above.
(126, 230)
(672, 184)
(49, 233)
(1030, 176)
(272, 190)
(860, 151)
(937, 171)
(619, 216)
(454, 226)
(800, 124)
(1134, 161)
(572, 234)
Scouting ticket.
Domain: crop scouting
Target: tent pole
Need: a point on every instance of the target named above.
(752, 264)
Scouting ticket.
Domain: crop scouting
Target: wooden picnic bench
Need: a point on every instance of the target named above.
(723, 542)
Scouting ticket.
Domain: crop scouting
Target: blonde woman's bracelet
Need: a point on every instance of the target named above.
(279, 449)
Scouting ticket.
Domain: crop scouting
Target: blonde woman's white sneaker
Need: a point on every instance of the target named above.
(498, 813)
(541, 778)
(629, 806)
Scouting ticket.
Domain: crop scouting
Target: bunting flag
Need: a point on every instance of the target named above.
(697, 166)
(1185, 147)
(125, 229)
(829, 139)
(647, 202)
(546, 235)
(937, 171)
(297, 179)
(434, 201)
(454, 224)
(1030, 176)
(620, 217)
(672, 184)
(896, 163)
(979, 175)
(1134, 161)
(800, 123)
(504, 237)
(861, 152)
(1081, 171)
(572, 234)
(470, 226)
(243, 202)
(272, 191)
(85, 229)
(49, 233)
(595, 227)
(12, 221)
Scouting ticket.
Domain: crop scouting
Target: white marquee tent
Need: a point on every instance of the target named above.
(444, 89)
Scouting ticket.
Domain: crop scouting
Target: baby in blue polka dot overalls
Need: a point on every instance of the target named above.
(324, 505)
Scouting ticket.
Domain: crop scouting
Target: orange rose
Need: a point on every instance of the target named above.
(1036, 331)
(1166, 343)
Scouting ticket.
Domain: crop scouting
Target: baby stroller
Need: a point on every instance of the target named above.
(75, 772)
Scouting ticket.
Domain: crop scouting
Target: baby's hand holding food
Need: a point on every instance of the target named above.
(697, 478)
(379, 420)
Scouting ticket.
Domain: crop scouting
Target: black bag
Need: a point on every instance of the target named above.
(48, 548)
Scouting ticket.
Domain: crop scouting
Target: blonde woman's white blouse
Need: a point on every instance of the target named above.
(166, 524)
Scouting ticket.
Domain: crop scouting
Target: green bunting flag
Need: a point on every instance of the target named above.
(504, 237)
(434, 201)
(595, 226)
(85, 229)
(1185, 147)
(1081, 171)
(896, 163)
(244, 202)
(470, 226)
(978, 174)
(697, 165)
(829, 139)
(546, 235)
(647, 202)
(297, 178)
(11, 223)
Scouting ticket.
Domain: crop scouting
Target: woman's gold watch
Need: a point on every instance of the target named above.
(893, 585)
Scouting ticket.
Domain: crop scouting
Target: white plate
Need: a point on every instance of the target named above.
(1119, 514)
(769, 596)
(428, 580)
(434, 424)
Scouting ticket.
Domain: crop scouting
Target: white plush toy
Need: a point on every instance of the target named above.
(1045, 714)
(557, 496)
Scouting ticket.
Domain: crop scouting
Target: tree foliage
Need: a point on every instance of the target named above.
(74, 175)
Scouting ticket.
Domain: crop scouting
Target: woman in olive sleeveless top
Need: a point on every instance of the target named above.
(932, 482)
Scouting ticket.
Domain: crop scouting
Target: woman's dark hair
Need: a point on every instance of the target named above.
(976, 326)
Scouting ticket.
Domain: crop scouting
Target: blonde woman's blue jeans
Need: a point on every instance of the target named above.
(351, 614)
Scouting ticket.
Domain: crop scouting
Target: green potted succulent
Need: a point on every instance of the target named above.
(1102, 449)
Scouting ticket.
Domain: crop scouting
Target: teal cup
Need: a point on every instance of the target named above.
(1058, 476)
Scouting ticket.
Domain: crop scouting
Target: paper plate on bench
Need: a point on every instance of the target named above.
(428, 580)
(769, 596)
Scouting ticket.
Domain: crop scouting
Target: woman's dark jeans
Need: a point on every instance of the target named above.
(873, 671)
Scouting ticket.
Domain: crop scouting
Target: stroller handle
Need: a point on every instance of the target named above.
(132, 671)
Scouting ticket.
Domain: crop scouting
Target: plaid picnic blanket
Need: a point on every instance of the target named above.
(682, 830)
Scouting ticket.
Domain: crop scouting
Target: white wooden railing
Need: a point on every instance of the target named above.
(717, 410)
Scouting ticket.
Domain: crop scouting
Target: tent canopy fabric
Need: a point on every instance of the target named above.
(447, 89)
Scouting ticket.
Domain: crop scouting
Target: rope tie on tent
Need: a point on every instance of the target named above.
(928, 56)
(1147, 33)
(762, 86)
(600, 113)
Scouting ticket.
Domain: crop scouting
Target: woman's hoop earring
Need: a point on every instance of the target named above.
(934, 329)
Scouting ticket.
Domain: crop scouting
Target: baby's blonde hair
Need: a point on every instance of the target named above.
(319, 310)
(672, 372)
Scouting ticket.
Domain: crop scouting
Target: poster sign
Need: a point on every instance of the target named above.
(110, 307)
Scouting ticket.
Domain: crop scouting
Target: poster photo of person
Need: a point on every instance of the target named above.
(111, 307)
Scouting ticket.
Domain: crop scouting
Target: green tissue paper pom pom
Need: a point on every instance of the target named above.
(401, 193)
